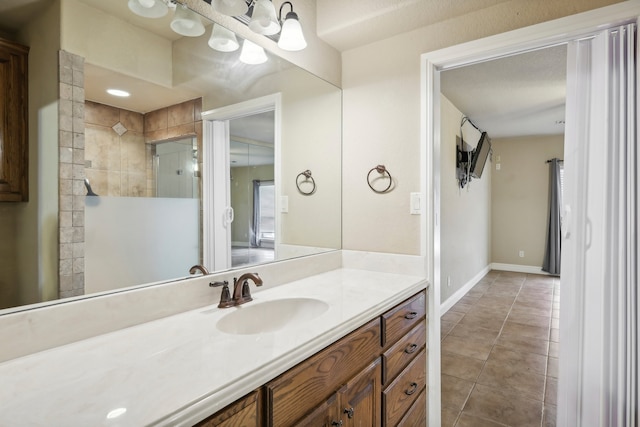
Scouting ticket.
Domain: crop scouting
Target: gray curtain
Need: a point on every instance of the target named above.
(551, 263)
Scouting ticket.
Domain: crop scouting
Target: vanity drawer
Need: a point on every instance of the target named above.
(398, 397)
(417, 414)
(299, 390)
(396, 322)
(401, 353)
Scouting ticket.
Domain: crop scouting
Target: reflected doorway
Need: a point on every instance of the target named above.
(241, 152)
(252, 188)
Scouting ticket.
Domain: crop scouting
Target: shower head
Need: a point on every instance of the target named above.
(89, 190)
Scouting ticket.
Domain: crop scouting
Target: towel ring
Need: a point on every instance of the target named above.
(381, 170)
(307, 177)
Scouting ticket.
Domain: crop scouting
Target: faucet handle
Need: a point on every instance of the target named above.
(225, 295)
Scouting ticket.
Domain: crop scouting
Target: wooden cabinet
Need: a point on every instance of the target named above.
(356, 404)
(373, 377)
(14, 144)
(244, 412)
(298, 391)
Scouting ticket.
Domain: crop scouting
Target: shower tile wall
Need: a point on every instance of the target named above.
(116, 156)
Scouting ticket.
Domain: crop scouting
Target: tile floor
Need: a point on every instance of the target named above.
(500, 353)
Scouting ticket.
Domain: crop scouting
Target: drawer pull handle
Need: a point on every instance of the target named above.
(412, 389)
(349, 412)
(411, 348)
(337, 423)
(411, 315)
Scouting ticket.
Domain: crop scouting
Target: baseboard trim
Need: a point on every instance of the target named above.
(516, 268)
(445, 306)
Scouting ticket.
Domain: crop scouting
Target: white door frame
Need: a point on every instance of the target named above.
(216, 239)
(529, 38)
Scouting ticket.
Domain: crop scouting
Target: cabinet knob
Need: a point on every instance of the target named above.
(349, 412)
(411, 315)
(411, 348)
(412, 389)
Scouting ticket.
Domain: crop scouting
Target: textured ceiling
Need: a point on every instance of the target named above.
(513, 96)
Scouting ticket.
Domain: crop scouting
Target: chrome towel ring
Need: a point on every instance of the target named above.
(307, 178)
(382, 170)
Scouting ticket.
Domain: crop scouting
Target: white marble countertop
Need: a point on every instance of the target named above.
(179, 369)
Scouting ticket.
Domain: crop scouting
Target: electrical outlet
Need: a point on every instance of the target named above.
(521, 254)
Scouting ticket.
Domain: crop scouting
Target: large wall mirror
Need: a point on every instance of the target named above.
(118, 183)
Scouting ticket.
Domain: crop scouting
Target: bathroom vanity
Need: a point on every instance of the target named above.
(356, 351)
(374, 376)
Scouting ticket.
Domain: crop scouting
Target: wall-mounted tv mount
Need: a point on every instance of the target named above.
(472, 152)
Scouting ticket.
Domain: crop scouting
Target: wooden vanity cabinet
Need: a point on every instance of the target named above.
(305, 389)
(244, 412)
(356, 404)
(373, 377)
(14, 144)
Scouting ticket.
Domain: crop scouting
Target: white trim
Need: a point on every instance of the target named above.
(517, 268)
(262, 104)
(525, 39)
(446, 306)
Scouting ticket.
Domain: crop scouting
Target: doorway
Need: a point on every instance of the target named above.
(563, 30)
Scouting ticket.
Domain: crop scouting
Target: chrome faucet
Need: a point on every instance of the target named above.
(200, 268)
(241, 291)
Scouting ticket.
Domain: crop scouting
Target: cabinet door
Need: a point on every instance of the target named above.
(14, 148)
(360, 398)
(325, 415)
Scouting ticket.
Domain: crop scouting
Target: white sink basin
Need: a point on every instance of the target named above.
(270, 316)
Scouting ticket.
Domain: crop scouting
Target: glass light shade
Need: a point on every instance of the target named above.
(222, 39)
(263, 20)
(187, 23)
(252, 54)
(148, 8)
(292, 37)
(230, 7)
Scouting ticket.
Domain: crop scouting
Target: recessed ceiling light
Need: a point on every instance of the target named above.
(118, 92)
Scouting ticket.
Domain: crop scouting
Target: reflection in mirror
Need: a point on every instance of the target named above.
(144, 153)
(252, 192)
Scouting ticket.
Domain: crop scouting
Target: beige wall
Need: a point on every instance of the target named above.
(381, 83)
(520, 197)
(115, 44)
(465, 228)
(242, 199)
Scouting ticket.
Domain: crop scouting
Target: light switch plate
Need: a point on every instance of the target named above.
(284, 204)
(415, 204)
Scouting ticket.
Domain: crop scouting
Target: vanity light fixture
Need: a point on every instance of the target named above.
(149, 8)
(230, 7)
(252, 54)
(118, 92)
(186, 22)
(222, 39)
(263, 20)
(291, 37)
